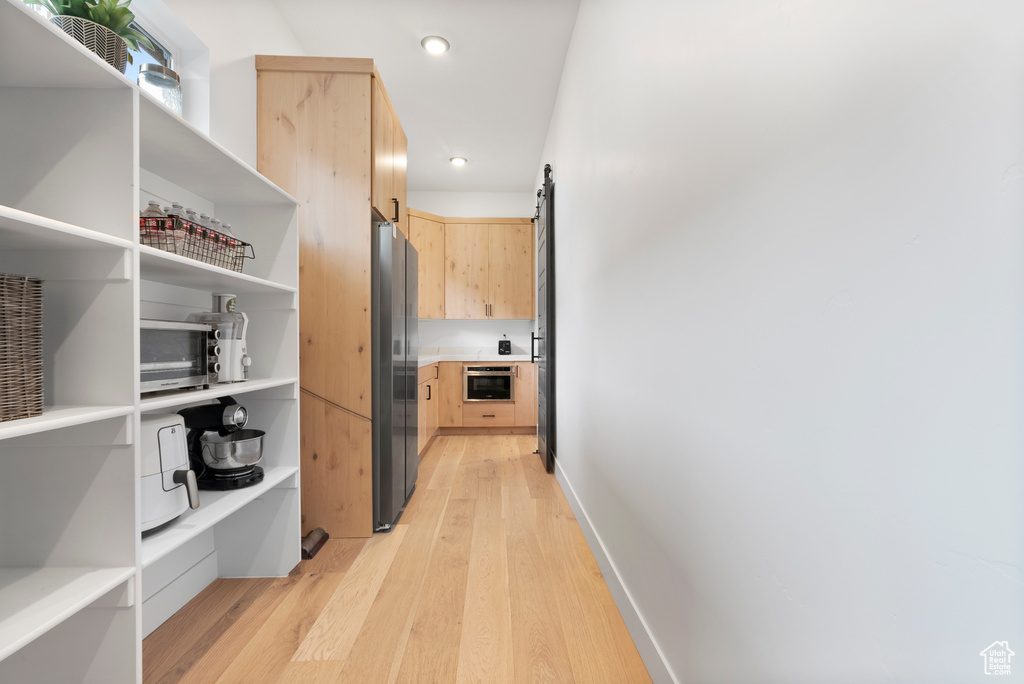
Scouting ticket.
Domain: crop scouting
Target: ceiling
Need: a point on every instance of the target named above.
(488, 99)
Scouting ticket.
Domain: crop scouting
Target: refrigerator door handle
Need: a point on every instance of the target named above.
(533, 355)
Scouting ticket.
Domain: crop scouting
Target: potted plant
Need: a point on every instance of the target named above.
(103, 26)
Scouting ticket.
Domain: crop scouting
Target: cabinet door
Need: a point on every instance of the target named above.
(382, 155)
(510, 270)
(428, 238)
(449, 391)
(337, 465)
(398, 184)
(423, 431)
(465, 275)
(433, 408)
(526, 393)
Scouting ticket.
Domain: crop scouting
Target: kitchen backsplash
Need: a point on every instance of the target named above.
(437, 333)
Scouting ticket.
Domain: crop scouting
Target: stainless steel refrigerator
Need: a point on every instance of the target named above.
(395, 368)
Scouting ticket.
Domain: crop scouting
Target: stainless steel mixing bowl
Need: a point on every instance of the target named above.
(238, 449)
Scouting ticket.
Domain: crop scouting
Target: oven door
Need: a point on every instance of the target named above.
(485, 383)
(171, 356)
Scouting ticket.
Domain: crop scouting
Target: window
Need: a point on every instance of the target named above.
(158, 55)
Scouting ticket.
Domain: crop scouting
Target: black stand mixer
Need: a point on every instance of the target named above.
(223, 455)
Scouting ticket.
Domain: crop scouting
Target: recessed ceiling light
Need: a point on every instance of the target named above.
(435, 45)
(459, 161)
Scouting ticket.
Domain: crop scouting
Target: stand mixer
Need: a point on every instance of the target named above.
(223, 454)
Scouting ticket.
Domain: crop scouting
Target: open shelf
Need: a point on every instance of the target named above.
(57, 417)
(22, 230)
(172, 148)
(213, 507)
(174, 398)
(34, 600)
(173, 269)
(30, 56)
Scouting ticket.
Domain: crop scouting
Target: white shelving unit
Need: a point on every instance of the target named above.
(80, 148)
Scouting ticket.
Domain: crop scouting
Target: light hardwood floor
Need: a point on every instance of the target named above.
(486, 578)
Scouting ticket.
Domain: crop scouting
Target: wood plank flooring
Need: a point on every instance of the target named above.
(486, 578)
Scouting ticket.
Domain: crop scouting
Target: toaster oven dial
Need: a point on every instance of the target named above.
(214, 367)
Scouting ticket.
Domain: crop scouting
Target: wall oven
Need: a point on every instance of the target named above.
(488, 383)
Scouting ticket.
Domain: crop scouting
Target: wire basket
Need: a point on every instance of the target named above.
(194, 241)
(21, 347)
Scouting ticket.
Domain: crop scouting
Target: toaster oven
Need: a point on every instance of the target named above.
(176, 355)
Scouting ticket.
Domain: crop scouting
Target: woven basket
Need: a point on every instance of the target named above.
(21, 347)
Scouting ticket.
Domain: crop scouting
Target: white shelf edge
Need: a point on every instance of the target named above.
(186, 264)
(10, 214)
(57, 417)
(180, 398)
(113, 78)
(62, 592)
(216, 145)
(213, 507)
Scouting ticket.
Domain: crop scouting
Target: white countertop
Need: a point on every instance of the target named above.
(429, 355)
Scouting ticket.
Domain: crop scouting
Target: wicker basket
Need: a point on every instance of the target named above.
(195, 242)
(21, 347)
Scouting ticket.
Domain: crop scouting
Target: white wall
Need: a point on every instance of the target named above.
(235, 31)
(485, 334)
(475, 204)
(791, 236)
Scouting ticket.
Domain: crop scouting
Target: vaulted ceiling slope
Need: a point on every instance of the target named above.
(489, 98)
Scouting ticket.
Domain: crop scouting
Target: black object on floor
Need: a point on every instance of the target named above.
(313, 541)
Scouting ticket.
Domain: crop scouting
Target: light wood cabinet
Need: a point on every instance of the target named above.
(426, 232)
(427, 406)
(327, 134)
(526, 394)
(510, 259)
(488, 414)
(450, 391)
(388, 185)
(489, 270)
(465, 274)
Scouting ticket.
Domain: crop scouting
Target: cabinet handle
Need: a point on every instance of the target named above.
(517, 370)
(428, 392)
(488, 415)
(437, 371)
(395, 200)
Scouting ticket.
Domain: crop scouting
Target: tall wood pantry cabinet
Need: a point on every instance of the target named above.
(327, 133)
(80, 146)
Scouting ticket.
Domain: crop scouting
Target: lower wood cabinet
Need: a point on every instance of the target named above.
(526, 394)
(337, 469)
(452, 412)
(488, 414)
(450, 391)
(427, 407)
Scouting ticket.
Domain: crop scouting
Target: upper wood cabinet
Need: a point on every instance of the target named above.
(466, 270)
(488, 270)
(510, 270)
(426, 233)
(389, 160)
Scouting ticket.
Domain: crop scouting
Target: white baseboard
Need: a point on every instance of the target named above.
(652, 655)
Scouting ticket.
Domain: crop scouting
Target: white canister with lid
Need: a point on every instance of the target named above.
(163, 84)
